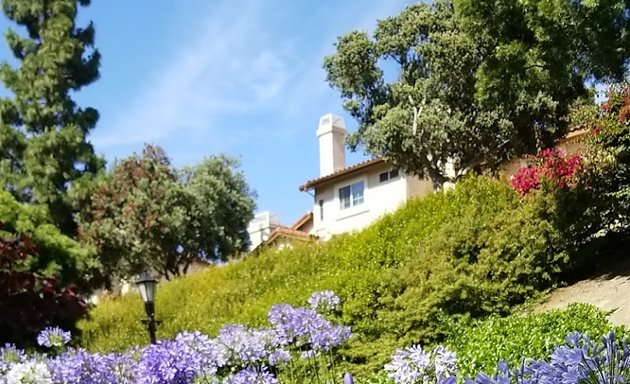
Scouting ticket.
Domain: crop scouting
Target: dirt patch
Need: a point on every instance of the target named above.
(608, 291)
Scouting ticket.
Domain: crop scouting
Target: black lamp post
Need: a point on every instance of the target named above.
(147, 286)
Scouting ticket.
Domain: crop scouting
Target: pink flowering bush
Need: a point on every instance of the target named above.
(549, 168)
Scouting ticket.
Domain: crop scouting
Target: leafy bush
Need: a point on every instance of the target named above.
(473, 251)
(39, 267)
(579, 361)
(481, 345)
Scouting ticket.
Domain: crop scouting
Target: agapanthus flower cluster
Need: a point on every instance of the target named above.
(324, 301)
(253, 375)
(29, 372)
(414, 365)
(305, 327)
(78, 366)
(238, 354)
(53, 337)
(549, 167)
(10, 356)
(580, 361)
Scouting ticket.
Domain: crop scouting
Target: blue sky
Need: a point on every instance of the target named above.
(243, 78)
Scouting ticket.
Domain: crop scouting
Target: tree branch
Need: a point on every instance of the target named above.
(416, 113)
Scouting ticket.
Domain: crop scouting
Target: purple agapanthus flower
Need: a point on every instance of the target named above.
(306, 327)
(79, 366)
(53, 337)
(324, 301)
(247, 346)
(253, 375)
(166, 362)
(238, 354)
(279, 357)
(121, 367)
(9, 356)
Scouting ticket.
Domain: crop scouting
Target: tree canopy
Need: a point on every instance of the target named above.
(455, 86)
(43, 133)
(145, 214)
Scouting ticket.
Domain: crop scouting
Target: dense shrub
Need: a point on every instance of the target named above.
(609, 149)
(475, 250)
(581, 360)
(480, 345)
(39, 272)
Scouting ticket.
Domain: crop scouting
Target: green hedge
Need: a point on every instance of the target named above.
(481, 345)
(473, 251)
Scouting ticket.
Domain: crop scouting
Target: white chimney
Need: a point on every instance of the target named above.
(332, 144)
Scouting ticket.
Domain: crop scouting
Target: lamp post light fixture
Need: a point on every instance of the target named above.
(147, 286)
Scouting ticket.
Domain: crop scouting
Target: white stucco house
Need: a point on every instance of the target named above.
(348, 198)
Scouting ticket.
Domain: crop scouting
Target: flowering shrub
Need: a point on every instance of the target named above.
(237, 355)
(550, 167)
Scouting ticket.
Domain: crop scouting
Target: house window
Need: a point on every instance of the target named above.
(321, 210)
(389, 175)
(351, 195)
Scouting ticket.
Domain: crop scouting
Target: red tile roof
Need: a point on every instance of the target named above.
(289, 233)
(308, 216)
(342, 172)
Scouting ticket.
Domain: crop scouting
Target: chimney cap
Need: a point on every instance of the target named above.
(331, 123)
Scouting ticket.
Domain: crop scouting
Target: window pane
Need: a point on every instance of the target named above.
(357, 193)
(344, 197)
(393, 173)
(383, 177)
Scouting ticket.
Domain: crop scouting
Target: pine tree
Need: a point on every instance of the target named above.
(43, 133)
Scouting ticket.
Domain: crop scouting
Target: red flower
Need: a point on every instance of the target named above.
(549, 167)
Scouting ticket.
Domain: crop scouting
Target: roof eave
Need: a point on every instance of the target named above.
(334, 176)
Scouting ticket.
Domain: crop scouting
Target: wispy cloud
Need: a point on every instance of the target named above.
(232, 67)
(239, 64)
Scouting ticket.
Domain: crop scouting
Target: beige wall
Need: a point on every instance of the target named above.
(417, 187)
(307, 227)
(379, 198)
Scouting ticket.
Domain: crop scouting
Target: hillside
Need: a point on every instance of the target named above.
(474, 251)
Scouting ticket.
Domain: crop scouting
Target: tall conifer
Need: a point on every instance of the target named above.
(43, 132)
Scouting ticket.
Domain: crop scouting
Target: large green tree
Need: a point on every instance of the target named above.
(145, 214)
(43, 133)
(450, 87)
